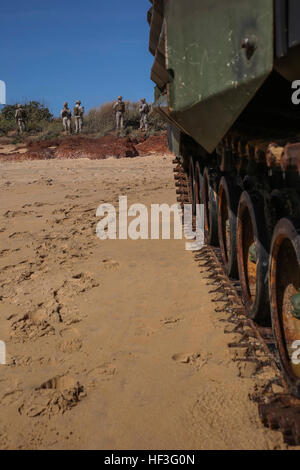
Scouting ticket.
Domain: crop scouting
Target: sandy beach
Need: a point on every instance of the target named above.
(110, 344)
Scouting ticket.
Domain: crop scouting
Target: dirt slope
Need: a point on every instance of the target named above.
(74, 147)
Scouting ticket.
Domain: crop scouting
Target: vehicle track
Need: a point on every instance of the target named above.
(278, 411)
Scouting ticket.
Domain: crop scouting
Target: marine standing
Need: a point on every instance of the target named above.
(78, 116)
(119, 108)
(66, 115)
(20, 116)
(144, 110)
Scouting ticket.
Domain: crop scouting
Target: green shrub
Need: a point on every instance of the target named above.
(38, 117)
(101, 120)
(53, 128)
(35, 112)
(98, 121)
(6, 126)
(17, 140)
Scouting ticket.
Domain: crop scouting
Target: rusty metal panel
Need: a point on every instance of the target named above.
(218, 55)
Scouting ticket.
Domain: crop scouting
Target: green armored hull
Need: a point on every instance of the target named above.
(212, 79)
(211, 59)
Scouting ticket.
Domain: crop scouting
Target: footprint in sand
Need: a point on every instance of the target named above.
(10, 397)
(55, 396)
(28, 361)
(64, 382)
(72, 341)
(20, 235)
(76, 285)
(144, 331)
(72, 196)
(171, 321)
(102, 373)
(12, 214)
(30, 327)
(195, 359)
(111, 264)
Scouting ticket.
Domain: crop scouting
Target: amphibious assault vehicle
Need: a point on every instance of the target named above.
(225, 74)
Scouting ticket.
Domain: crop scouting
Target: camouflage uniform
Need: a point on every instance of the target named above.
(78, 115)
(144, 111)
(66, 115)
(119, 108)
(20, 117)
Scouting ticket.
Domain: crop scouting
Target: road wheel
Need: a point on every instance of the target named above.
(229, 195)
(210, 201)
(253, 256)
(284, 289)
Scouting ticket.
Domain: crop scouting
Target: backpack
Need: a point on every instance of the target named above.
(145, 108)
(21, 114)
(121, 106)
(66, 113)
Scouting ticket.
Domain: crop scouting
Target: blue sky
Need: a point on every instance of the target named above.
(63, 50)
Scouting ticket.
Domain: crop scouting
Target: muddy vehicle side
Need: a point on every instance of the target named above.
(225, 75)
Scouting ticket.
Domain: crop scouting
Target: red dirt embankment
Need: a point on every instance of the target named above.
(94, 149)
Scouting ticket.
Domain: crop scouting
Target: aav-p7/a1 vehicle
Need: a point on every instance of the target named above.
(224, 74)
